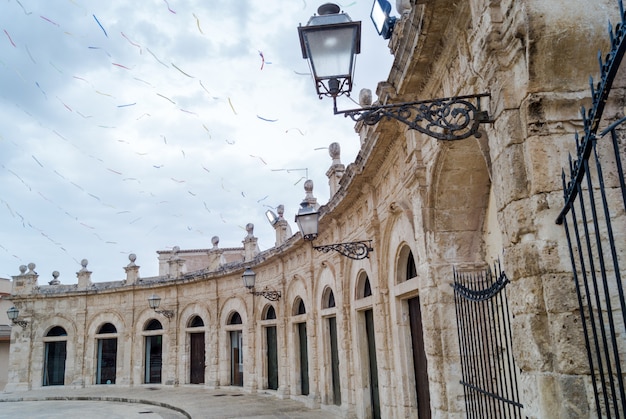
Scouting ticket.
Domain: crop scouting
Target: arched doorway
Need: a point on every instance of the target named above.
(196, 350)
(236, 351)
(153, 336)
(55, 353)
(272, 349)
(107, 354)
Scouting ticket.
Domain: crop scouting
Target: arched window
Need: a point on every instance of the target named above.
(270, 314)
(154, 324)
(299, 307)
(195, 321)
(411, 270)
(56, 331)
(235, 318)
(405, 268)
(107, 328)
(328, 298)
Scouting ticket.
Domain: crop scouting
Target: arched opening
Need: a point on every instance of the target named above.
(236, 350)
(106, 356)
(153, 348)
(55, 353)
(303, 351)
(197, 354)
(271, 341)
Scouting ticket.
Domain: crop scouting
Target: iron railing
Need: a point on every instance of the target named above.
(594, 219)
(484, 328)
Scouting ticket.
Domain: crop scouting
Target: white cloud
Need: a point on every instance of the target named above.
(167, 131)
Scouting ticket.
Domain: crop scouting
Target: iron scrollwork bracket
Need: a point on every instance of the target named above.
(353, 250)
(268, 294)
(451, 118)
(167, 313)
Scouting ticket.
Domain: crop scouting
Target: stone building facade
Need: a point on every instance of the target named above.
(376, 337)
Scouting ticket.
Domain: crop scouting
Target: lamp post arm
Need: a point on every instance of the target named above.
(450, 118)
(353, 250)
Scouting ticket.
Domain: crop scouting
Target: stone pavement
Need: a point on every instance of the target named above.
(150, 402)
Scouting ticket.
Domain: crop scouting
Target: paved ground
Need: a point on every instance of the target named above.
(108, 402)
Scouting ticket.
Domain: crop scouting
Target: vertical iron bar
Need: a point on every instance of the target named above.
(609, 305)
(487, 343)
(475, 382)
(460, 333)
(588, 292)
(581, 308)
(604, 285)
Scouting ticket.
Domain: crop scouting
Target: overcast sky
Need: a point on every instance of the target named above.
(131, 127)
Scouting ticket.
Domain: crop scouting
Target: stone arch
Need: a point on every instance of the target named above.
(458, 199)
(224, 350)
(187, 315)
(94, 328)
(73, 364)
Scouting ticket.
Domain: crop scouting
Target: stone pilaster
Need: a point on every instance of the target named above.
(250, 245)
(132, 270)
(84, 275)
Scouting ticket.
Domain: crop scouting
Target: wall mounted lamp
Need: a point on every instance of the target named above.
(380, 17)
(155, 301)
(249, 279)
(330, 42)
(308, 222)
(13, 314)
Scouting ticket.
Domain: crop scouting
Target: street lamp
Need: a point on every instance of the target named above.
(13, 314)
(330, 42)
(308, 222)
(249, 279)
(155, 301)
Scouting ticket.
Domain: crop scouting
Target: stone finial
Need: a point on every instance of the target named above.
(250, 244)
(309, 198)
(283, 230)
(403, 6)
(26, 281)
(176, 263)
(31, 268)
(55, 278)
(336, 170)
(215, 240)
(84, 275)
(132, 270)
(365, 97)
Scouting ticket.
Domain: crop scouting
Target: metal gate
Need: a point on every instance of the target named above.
(594, 219)
(488, 368)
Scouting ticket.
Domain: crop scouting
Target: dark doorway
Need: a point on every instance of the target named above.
(334, 360)
(304, 359)
(54, 369)
(373, 365)
(107, 361)
(420, 366)
(272, 358)
(196, 358)
(154, 360)
(236, 353)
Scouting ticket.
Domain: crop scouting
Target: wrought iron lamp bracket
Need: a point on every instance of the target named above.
(451, 118)
(167, 313)
(353, 250)
(268, 294)
(21, 323)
